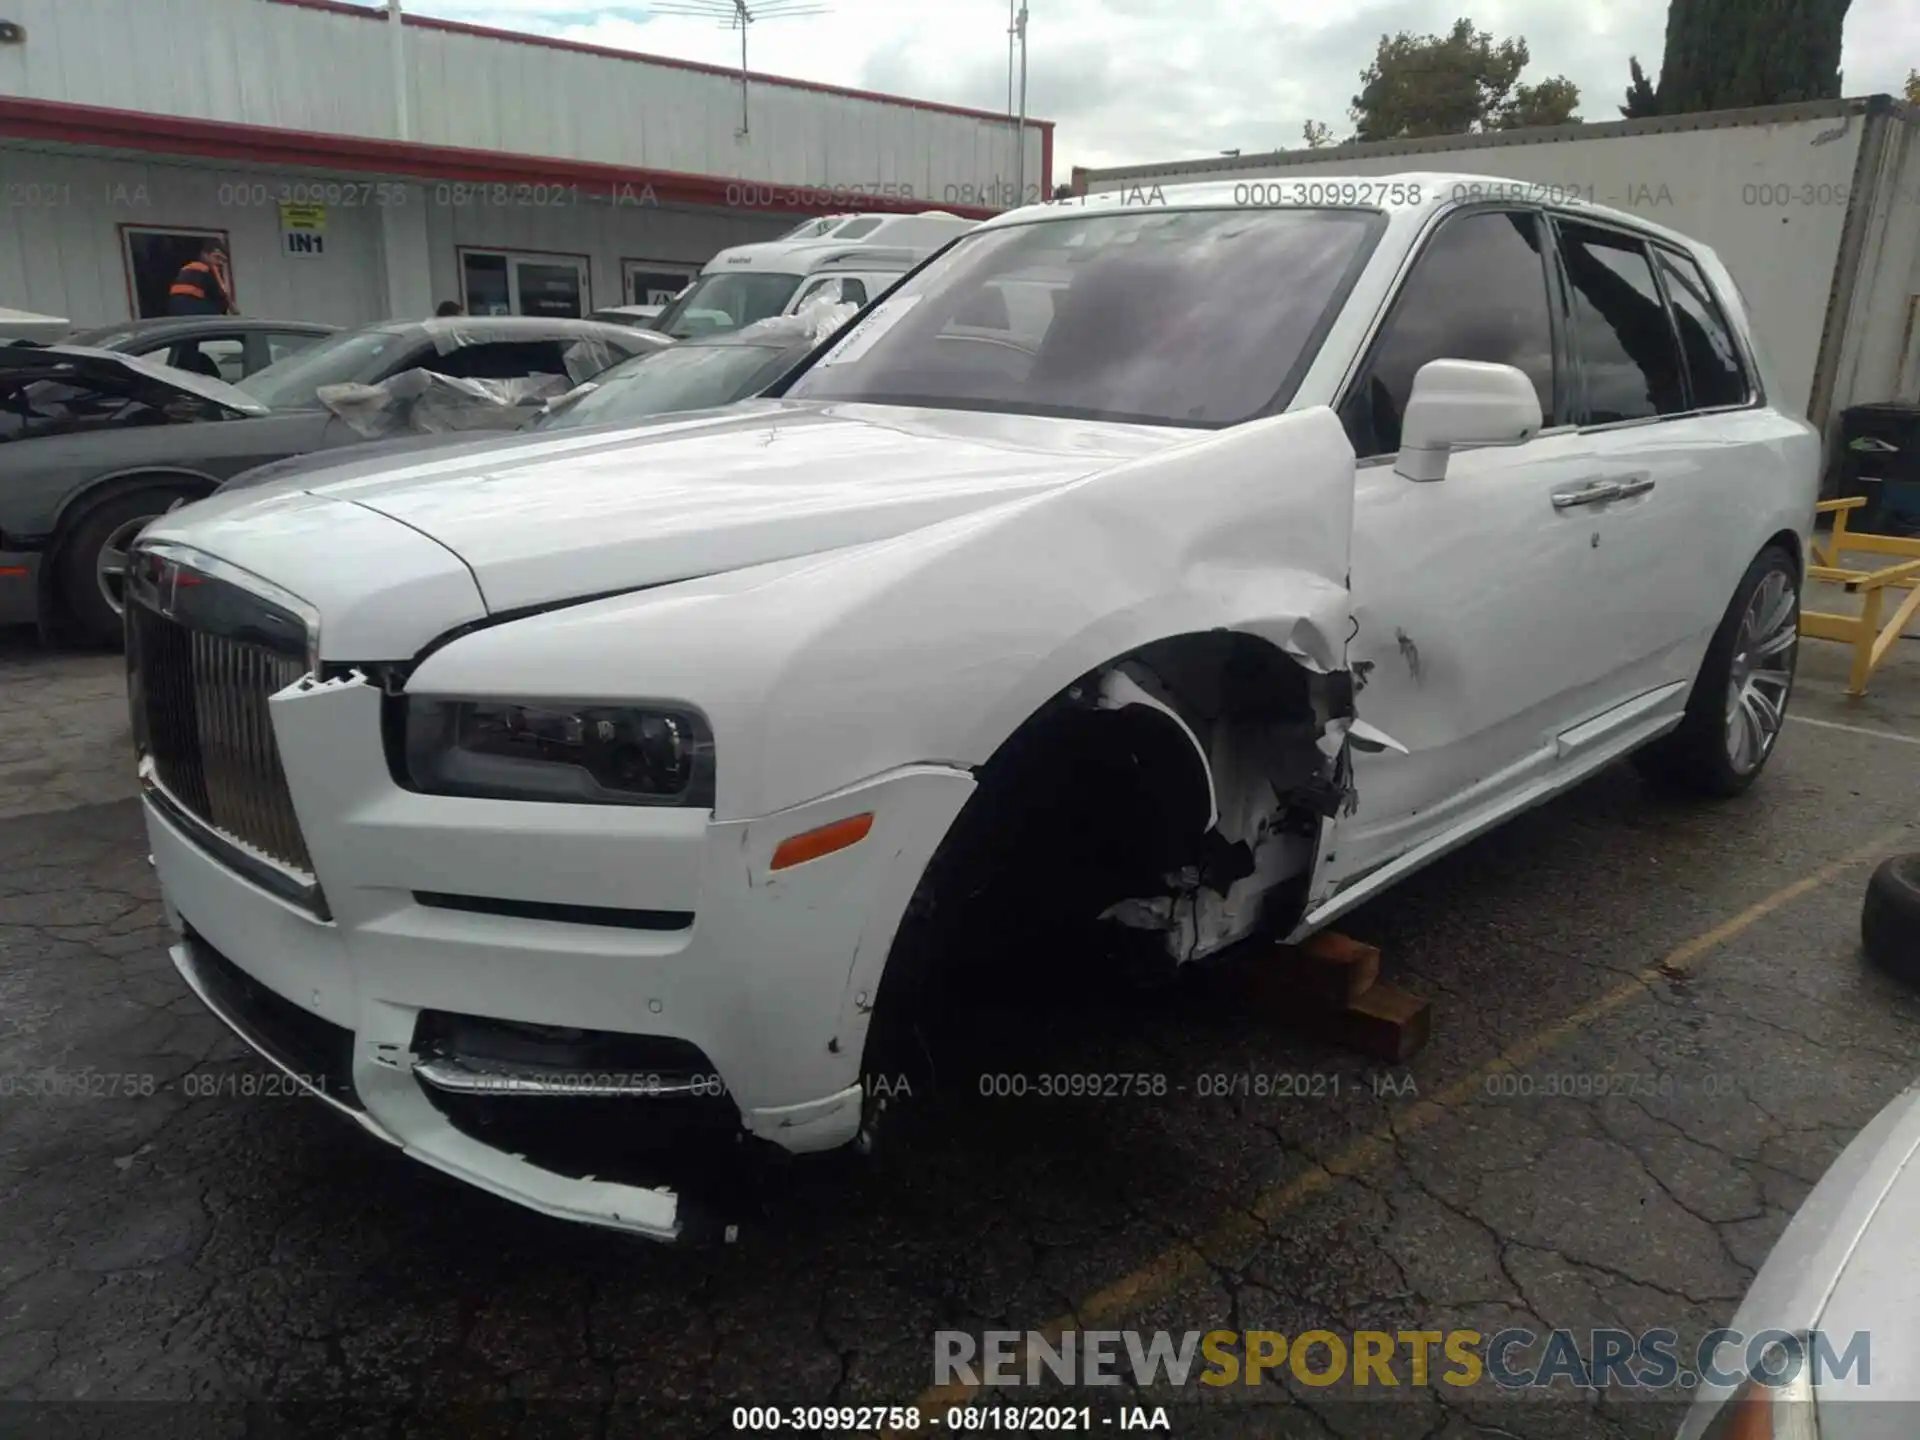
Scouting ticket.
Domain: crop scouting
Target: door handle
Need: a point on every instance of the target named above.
(1638, 483)
(1591, 493)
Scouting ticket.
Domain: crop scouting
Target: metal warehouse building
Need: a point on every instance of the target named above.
(360, 165)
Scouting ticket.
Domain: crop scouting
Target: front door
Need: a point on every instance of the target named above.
(1477, 604)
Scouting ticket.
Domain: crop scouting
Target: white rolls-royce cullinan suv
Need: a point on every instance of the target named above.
(1183, 567)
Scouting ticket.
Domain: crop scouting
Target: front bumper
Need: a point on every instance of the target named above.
(773, 980)
(19, 587)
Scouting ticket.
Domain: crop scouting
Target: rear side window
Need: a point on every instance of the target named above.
(1628, 356)
(1477, 292)
(1714, 367)
(501, 360)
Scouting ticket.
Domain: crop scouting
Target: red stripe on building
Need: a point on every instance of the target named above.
(101, 128)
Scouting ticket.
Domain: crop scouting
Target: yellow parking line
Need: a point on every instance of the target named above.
(1165, 1274)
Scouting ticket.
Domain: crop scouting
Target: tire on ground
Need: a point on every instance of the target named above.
(1693, 758)
(83, 611)
(1890, 918)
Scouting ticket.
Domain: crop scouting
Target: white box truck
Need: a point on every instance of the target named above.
(1815, 208)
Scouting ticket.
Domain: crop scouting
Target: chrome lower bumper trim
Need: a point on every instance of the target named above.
(462, 1077)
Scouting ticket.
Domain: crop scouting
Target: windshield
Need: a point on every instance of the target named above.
(1204, 317)
(718, 303)
(697, 377)
(357, 357)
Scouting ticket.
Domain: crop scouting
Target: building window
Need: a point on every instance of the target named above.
(655, 282)
(154, 257)
(508, 282)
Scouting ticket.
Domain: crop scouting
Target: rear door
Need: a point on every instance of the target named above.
(1673, 543)
(1478, 599)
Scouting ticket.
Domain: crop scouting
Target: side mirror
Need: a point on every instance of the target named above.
(1463, 402)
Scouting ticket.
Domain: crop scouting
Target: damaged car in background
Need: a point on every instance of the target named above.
(1183, 574)
(95, 443)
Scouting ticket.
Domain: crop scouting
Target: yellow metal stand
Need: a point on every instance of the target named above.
(1870, 639)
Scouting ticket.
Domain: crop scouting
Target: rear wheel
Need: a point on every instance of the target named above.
(92, 574)
(1739, 699)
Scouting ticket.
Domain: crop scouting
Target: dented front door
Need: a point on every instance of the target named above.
(1481, 623)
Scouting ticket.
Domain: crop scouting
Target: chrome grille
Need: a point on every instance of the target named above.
(199, 686)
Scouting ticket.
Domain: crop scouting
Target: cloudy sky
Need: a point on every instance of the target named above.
(1131, 81)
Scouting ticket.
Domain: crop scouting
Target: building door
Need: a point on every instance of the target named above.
(655, 282)
(154, 257)
(503, 282)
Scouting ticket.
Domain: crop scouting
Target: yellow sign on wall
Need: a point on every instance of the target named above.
(303, 230)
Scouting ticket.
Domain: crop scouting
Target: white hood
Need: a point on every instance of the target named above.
(539, 520)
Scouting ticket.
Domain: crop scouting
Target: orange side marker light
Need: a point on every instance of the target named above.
(812, 844)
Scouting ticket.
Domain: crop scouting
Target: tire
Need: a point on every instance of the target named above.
(1753, 654)
(1890, 918)
(87, 615)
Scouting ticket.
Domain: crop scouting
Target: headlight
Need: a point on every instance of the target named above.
(557, 751)
(1777, 1407)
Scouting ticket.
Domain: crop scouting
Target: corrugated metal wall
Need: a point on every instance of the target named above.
(295, 67)
(62, 248)
(1882, 360)
(1771, 199)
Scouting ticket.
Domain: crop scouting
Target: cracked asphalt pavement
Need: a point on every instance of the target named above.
(169, 1237)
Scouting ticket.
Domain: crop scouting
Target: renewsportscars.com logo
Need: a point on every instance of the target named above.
(1513, 1359)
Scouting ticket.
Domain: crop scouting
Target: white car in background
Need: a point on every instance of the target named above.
(1180, 571)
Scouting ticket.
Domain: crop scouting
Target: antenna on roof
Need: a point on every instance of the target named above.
(737, 14)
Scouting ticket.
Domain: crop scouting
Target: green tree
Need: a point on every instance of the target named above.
(1728, 54)
(1453, 84)
(1641, 101)
(1317, 135)
(1913, 87)
(1551, 102)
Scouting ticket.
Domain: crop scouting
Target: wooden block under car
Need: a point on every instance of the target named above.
(1329, 967)
(1330, 989)
(1384, 1022)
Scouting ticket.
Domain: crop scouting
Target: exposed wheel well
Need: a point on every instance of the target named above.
(1789, 541)
(1177, 790)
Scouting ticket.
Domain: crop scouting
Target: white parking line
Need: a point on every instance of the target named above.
(1857, 729)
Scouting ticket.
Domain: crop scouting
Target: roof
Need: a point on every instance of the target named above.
(790, 257)
(196, 324)
(731, 72)
(463, 329)
(1411, 192)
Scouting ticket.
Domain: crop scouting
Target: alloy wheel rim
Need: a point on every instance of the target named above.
(1762, 672)
(110, 569)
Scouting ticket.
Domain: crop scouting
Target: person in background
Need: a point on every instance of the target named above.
(447, 308)
(202, 287)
